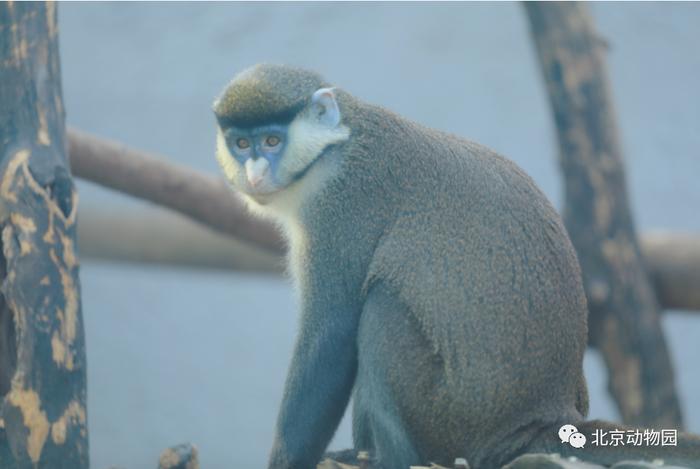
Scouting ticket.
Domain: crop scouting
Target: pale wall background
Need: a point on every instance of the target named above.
(184, 355)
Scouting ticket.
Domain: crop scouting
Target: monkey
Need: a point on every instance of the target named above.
(438, 287)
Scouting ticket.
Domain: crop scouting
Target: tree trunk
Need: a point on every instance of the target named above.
(42, 347)
(624, 319)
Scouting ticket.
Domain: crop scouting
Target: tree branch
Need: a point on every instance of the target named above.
(624, 319)
(155, 236)
(198, 195)
(673, 260)
(151, 235)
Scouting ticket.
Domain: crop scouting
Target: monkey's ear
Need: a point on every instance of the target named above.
(325, 108)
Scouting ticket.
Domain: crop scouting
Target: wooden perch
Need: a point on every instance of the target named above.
(624, 319)
(162, 237)
(673, 260)
(42, 347)
(151, 235)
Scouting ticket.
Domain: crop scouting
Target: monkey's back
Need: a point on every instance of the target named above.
(491, 284)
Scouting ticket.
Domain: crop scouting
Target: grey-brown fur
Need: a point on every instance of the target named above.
(239, 104)
(440, 287)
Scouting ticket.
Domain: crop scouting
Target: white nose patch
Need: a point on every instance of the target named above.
(255, 170)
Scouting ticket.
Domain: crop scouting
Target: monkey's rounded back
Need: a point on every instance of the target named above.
(487, 275)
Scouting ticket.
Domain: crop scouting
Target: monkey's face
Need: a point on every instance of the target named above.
(251, 158)
(263, 161)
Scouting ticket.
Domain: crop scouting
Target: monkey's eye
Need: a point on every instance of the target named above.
(242, 143)
(272, 141)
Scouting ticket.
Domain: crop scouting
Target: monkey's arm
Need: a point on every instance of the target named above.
(319, 381)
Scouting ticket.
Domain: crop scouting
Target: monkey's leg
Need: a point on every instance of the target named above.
(377, 423)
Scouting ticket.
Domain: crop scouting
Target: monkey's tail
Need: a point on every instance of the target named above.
(608, 443)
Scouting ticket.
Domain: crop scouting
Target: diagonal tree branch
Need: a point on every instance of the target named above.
(624, 320)
(198, 195)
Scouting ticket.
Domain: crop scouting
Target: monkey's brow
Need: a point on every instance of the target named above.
(263, 129)
(251, 118)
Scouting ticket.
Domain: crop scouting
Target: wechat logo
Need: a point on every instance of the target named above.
(570, 434)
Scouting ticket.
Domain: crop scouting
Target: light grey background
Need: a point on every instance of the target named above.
(183, 355)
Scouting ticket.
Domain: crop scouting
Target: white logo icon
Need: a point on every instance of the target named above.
(570, 434)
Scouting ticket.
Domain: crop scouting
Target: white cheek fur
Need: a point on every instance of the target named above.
(307, 139)
(228, 164)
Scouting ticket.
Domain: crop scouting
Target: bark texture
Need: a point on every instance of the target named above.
(42, 349)
(624, 319)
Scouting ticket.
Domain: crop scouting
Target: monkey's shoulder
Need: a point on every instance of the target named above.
(473, 218)
(463, 179)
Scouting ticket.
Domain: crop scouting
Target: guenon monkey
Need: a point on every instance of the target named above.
(437, 284)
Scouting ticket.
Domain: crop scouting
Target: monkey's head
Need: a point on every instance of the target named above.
(274, 124)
